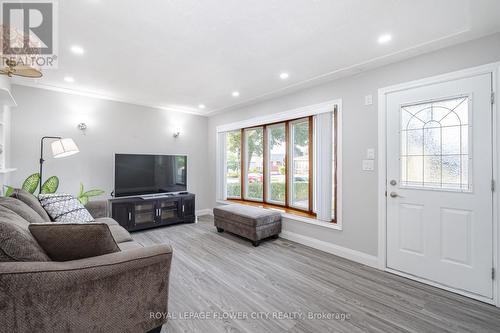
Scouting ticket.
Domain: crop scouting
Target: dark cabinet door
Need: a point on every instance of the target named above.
(168, 210)
(122, 213)
(188, 207)
(143, 214)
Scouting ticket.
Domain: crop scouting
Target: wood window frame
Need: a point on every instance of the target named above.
(264, 202)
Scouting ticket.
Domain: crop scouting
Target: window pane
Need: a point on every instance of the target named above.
(254, 146)
(300, 164)
(276, 174)
(233, 163)
(435, 145)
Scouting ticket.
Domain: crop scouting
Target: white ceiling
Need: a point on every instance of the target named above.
(178, 54)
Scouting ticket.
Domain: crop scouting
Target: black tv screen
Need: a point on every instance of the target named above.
(137, 174)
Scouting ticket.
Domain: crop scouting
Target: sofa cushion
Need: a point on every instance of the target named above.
(130, 245)
(247, 215)
(64, 208)
(21, 209)
(119, 233)
(32, 202)
(16, 242)
(72, 241)
(97, 208)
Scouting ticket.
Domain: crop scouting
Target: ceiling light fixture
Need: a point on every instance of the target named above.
(385, 38)
(284, 76)
(236, 93)
(201, 106)
(77, 49)
(69, 79)
(12, 67)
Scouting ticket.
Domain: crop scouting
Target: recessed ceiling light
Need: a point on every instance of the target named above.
(385, 38)
(201, 106)
(69, 79)
(77, 49)
(284, 76)
(236, 93)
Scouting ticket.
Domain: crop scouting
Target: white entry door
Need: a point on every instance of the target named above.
(439, 184)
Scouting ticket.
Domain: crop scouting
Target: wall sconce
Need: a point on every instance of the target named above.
(82, 127)
(176, 134)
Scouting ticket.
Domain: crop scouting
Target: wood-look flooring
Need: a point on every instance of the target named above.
(214, 273)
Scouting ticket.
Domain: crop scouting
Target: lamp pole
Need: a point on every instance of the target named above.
(41, 156)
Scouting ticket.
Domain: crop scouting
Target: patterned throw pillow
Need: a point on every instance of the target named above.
(64, 208)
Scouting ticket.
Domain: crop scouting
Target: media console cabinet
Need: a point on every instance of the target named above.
(144, 212)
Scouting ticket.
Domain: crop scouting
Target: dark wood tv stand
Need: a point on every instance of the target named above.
(144, 212)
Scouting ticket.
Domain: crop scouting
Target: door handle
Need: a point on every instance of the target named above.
(395, 195)
(129, 216)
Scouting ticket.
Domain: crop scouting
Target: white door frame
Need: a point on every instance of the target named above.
(494, 69)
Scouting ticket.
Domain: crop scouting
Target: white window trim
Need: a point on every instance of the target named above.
(301, 112)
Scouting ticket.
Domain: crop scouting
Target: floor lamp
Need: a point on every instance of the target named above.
(60, 148)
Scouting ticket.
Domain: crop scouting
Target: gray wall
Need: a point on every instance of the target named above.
(359, 132)
(112, 127)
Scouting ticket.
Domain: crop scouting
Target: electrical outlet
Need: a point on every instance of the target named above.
(368, 165)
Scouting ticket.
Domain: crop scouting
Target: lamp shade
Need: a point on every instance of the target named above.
(64, 147)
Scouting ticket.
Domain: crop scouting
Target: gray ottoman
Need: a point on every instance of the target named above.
(250, 222)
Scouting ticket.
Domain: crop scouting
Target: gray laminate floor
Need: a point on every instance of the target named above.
(222, 276)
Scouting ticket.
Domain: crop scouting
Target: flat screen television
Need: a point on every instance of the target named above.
(138, 174)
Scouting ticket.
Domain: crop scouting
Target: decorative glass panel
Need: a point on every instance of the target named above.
(434, 140)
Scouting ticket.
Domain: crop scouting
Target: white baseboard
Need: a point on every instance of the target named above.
(201, 212)
(337, 250)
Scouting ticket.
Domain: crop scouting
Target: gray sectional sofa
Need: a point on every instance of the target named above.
(115, 292)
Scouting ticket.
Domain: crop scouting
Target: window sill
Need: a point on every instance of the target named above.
(293, 217)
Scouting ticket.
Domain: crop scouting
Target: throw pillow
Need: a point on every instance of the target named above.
(21, 209)
(64, 208)
(72, 241)
(16, 242)
(31, 201)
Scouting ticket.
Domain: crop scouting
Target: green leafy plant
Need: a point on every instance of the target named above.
(31, 183)
(84, 196)
(50, 186)
(8, 190)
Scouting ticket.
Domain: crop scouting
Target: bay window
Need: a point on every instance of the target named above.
(289, 164)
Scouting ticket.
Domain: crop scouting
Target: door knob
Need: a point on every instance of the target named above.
(395, 195)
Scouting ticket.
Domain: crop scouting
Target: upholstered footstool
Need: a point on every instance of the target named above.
(253, 223)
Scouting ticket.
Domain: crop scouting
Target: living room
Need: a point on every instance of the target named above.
(283, 166)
